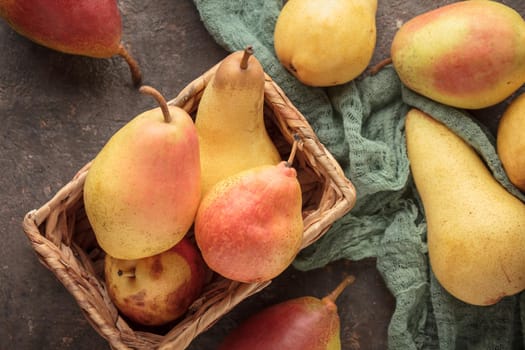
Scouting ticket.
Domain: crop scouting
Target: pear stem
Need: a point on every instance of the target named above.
(295, 145)
(248, 51)
(136, 75)
(148, 90)
(380, 65)
(339, 289)
(130, 274)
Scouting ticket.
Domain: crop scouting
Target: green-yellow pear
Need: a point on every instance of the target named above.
(476, 228)
(143, 188)
(326, 42)
(230, 120)
(511, 141)
(468, 54)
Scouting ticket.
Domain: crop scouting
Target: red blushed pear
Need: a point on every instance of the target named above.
(88, 28)
(305, 323)
(159, 289)
(249, 226)
(469, 54)
(143, 188)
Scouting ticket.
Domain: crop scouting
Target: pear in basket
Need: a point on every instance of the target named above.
(249, 226)
(143, 188)
(230, 120)
(159, 289)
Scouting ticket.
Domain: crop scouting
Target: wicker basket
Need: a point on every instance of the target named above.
(60, 233)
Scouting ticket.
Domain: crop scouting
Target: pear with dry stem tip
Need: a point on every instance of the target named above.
(143, 188)
(249, 226)
(230, 120)
(305, 323)
(89, 28)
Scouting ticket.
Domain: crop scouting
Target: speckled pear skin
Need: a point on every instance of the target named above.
(468, 54)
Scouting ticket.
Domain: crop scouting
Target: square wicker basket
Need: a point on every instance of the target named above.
(62, 238)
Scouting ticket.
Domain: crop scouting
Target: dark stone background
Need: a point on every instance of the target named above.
(56, 112)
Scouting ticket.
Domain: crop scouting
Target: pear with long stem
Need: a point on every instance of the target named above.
(143, 188)
(87, 28)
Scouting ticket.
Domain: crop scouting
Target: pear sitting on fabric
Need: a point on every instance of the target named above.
(249, 226)
(468, 54)
(143, 188)
(305, 323)
(326, 42)
(230, 120)
(89, 28)
(511, 143)
(476, 228)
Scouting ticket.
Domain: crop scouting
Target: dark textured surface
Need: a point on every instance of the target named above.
(57, 110)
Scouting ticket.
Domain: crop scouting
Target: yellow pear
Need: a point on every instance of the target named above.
(230, 120)
(511, 143)
(143, 188)
(476, 228)
(326, 42)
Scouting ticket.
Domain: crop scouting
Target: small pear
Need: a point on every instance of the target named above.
(230, 120)
(305, 323)
(475, 227)
(467, 54)
(158, 289)
(143, 188)
(249, 226)
(89, 28)
(511, 143)
(326, 42)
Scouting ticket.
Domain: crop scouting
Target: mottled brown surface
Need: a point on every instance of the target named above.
(56, 112)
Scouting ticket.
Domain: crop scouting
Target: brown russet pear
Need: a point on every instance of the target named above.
(158, 289)
(511, 141)
(326, 42)
(467, 54)
(230, 120)
(475, 227)
(304, 323)
(88, 28)
(143, 188)
(249, 226)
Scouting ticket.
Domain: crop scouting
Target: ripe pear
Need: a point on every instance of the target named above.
(467, 54)
(88, 28)
(326, 42)
(230, 120)
(511, 143)
(158, 289)
(305, 323)
(476, 228)
(143, 188)
(249, 226)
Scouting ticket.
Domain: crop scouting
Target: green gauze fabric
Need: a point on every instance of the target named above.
(361, 123)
